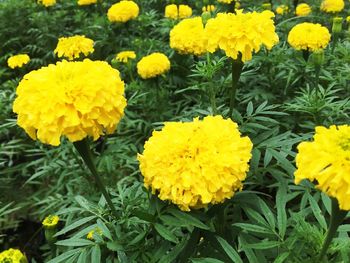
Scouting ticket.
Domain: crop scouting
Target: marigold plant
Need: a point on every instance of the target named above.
(12, 256)
(309, 36)
(153, 65)
(18, 61)
(188, 37)
(50, 221)
(73, 47)
(326, 162)
(303, 10)
(87, 2)
(71, 99)
(123, 11)
(177, 12)
(241, 33)
(124, 56)
(47, 3)
(196, 163)
(332, 6)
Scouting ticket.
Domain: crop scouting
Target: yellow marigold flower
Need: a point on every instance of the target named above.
(243, 33)
(18, 61)
(47, 3)
(303, 10)
(90, 235)
(171, 11)
(332, 6)
(309, 36)
(50, 221)
(225, 1)
(348, 19)
(72, 99)
(188, 37)
(208, 8)
(73, 47)
(326, 162)
(12, 256)
(87, 2)
(123, 11)
(153, 65)
(124, 56)
(282, 9)
(196, 163)
(184, 11)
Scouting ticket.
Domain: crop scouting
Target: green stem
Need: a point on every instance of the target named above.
(337, 217)
(237, 66)
(212, 98)
(84, 150)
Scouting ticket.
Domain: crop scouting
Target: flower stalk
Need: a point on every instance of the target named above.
(337, 217)
(83, 149)
(237, 66)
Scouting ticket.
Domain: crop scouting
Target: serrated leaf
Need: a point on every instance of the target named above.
(187, 218)
(76, 242)
(165, 233)
(75, 225)
(229, 250)
(96, 254)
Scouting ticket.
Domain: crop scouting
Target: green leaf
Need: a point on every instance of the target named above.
(65, 256)
(78, 242)
(165, 233)
(281, 200)
(317, 212)
(254, 228)
(281, 258)
(83, 256)
(230, 251)
(96, 254)
(75, 225)
(206, 260)
(104, 229)
(264, 244)
(187, 218)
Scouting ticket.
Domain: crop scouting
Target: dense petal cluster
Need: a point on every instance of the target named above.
(12, 256)
(282, 9)
(241, 33)
(87, 2)
(18, 61)
(332, 6)
(73, 47)
(50, 221)
(188, 37)
(326, 161)
(303, 10)
(196, 163)
(208, 8)
(47, 3)
(124, 56)
(177, 12)
(123, 11)
(72, 99)
(153, 65)
(309, 36)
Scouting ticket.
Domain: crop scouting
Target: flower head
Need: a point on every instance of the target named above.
(225, 1)
(241, 33)
(72, 99)
(153, 65)
(93, 232)
(124, 56)
(282, 9)
(303, 10)
(208, 8)
(332, 6)
(12, 256)
(177, 12)
(196, 163)
(309, 36)
(73, 47)
(188, 37)
(87, 2)
(184, 11)
(47, 3)
(18, 61)
(347, 19)
(326, 161)
(123, 11)
(50, 221)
